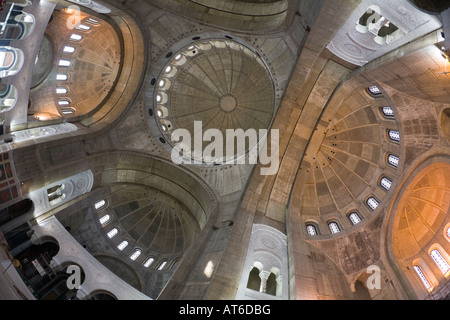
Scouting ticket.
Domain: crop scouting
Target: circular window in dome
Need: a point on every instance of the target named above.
(216, 92)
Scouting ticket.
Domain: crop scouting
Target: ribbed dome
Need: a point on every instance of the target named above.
(349, 161)
(422, 211)
(221, 83)
(154, 221)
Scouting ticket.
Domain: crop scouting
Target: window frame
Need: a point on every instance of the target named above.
(334, 222)
(351, 220)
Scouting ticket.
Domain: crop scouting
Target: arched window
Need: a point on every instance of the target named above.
(254, 280)
(394, 135)
(271, 284)
(64, 63)
(83, 27)
(69, 49)
(334, 227)
(61, 90)
(448, 232)
(75, 37)
(162, 265)
(111, 234)
(354, 218)
(63, 102)
(393, 160)
(374, 90)
(148, 262)
(61, 77)
(388, 112)
(174, 263)
(68, 110)
(422, 277)
(92, 21)
(385, 183)
(122, 245)
(372, 203)
(100, 204)
(136, 253)
(311, 229)
(105, 219)
(440, 261)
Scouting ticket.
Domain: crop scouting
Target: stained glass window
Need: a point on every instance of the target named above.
(440, 261)
(394, 135)
(311, 229)
(374, 90)
(393, 160)
(372, 203)
(388, 112)
(386, 183)
(334, 227)
(354, 218)
(422, 277)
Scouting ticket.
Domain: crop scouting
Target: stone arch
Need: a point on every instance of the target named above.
(415, 222)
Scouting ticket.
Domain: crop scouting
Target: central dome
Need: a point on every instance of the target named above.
(221, 83)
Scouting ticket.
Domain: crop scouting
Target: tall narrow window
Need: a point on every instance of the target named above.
(105, 219)
(135, 254)
(111, 234)
(386, 183)
(61, 77)
(83, 27)
(162, 265)
(393, 160)
(68, 49)
(448, 232)
(100, 204)
(372, 203)
(148, 262)
(394, 135)
(374, 90)
(311, 229)
(122, 245)
(67, 111)
(440, 261)
(75, 37)
(61, 90)
(92, 21)
(334, 227)
(354, 218)
(254, 279)
(64, 63)
(63, 102)
(422, 277)
(388, 112)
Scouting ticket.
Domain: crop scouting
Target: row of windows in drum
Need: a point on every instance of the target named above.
(136, 253)
(354, 217)
(66, 63)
